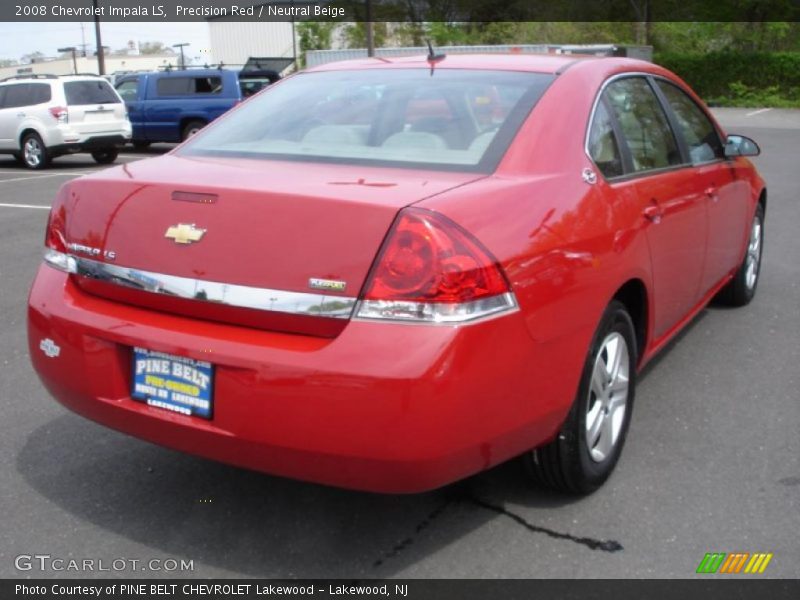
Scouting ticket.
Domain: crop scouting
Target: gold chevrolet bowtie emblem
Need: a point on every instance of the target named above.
(184, 233)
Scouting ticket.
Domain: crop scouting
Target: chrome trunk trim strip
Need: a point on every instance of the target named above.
(241, 296)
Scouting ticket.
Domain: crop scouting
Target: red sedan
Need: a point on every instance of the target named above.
(392, 274)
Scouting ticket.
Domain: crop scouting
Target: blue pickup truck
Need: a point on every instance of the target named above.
(172, 105)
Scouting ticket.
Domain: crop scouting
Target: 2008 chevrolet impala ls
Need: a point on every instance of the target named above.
(391, 274)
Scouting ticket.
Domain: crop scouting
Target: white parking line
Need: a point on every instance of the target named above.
(60, 174)
(757, 112)
(81, 168)
(23, 206)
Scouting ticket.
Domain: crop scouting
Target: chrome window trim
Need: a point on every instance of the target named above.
(648, 172)
(240, 296)
(592, 113)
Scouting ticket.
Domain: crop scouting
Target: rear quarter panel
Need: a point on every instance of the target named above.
(566, 246)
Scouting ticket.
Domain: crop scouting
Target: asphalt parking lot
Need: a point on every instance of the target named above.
(712, 462)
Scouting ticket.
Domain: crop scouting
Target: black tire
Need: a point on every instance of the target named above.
(568, 464)
(35, 154)
(191, 128)
(141, 145)
(742, 288)
(106, 156)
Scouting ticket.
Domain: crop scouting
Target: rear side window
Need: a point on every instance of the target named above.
(24, 94)
(89, 92)
(603, 146)
(184, 86)
(172, 86)
(207, 85)
(128, 90)
(39, 93)
(697, 129)
(644, 125)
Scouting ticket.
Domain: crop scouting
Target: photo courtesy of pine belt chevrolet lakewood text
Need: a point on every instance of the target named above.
(391, 274)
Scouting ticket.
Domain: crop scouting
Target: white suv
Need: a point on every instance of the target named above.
(44, 116)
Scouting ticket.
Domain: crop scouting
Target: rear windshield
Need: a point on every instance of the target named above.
(451, 119)
(90, 92)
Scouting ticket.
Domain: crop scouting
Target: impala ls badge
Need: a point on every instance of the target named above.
(326, 284)
(184, 233)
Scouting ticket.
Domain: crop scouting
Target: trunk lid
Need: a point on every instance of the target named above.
(267, 226)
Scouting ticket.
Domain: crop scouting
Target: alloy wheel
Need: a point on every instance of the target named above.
(33, 152)
(753, 259)
(608, 397)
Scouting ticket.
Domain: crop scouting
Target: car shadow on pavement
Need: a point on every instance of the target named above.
(240, 522)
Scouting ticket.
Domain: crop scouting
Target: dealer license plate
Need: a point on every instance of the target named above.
(175, 383)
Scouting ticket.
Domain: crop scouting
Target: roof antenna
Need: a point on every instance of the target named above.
(433, 58)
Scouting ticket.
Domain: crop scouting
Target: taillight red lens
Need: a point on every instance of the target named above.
(55, 245)
(59, 113)
(54, 236)
(428, 258)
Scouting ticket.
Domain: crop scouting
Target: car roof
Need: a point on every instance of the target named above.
(535, 63)
(186, 72)
(81, 76)
(54, 79)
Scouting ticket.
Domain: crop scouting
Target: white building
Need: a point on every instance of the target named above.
(234, 42)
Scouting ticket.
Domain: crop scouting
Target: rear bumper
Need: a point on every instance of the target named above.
(66, 138)
(382, 407)
(91, 144)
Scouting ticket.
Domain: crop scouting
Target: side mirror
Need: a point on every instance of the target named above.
(740, 145)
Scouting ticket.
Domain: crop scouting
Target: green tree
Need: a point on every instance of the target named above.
(155, 48)
(355, 34)
(736, 37)
(31, 57)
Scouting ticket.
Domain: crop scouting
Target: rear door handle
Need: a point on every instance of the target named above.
(20, 114)
(653, 212)
(711, 192)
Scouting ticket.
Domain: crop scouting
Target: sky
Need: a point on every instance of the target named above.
(21, 38)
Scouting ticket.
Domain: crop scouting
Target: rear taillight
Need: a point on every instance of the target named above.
(55, 246)
(60, 113)
(431, 270)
